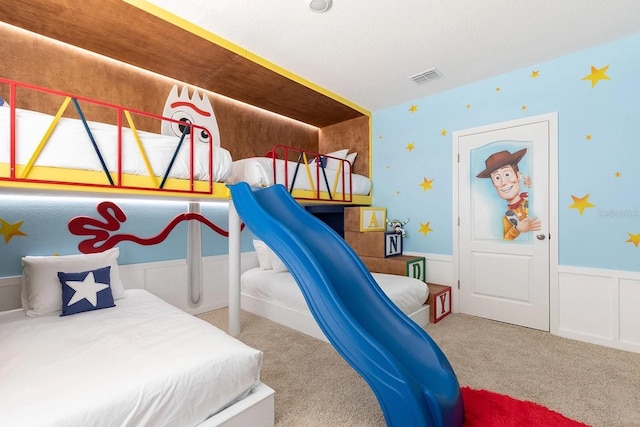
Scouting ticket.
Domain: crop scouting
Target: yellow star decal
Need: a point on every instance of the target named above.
(498, 89)
(443, 132)
(581, 203)
(597, 75)
(617, 174)
(425, 229)
(10, 230)
(426, 184)
(523, 108)
(588, 137)
(534, 74)
(413, 108)
(634, 238)
(410, 146)
(468, 106)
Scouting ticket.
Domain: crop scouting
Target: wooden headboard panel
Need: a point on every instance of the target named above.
(352, 134)
(28, 57)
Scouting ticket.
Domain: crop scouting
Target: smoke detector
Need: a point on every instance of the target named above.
(319, 5)
(425, 76)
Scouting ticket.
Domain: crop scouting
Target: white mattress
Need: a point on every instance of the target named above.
(70, 147)
(280, 288)
(143, 362)
(258, 172)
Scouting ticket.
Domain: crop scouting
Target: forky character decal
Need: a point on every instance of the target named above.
(190, 109)
(183, 109)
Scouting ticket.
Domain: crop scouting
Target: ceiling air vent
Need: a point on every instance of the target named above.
(426, 76)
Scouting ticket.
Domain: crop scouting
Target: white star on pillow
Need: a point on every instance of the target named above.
(87, 289)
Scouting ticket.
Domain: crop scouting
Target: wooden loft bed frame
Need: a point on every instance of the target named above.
(53, 44)
(139, 33)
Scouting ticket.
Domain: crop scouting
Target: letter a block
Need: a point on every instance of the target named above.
(365, 219)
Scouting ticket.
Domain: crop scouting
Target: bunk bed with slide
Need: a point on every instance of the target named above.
(67, 129)
(71, 152)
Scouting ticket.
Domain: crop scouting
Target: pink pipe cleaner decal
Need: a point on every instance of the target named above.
(113, 217)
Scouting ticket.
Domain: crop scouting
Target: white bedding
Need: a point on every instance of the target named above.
(258, 172)
(70, 147)
(408, 293)
(141, 363)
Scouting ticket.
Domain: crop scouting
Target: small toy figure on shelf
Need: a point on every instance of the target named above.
(398, 226)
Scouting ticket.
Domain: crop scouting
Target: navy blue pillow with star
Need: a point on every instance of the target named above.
(86, 291)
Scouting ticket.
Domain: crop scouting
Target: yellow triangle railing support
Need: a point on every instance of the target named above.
(134, 131)
(46, 137)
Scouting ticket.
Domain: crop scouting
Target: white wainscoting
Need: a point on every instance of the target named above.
(166, 279)
(10, 293)
(592, 305)
(439, 270)
(599, 306)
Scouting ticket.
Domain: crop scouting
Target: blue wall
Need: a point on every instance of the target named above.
(412, 145)
(39, 226)
(598, 152)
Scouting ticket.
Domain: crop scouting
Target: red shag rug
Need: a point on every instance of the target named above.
(484, 408)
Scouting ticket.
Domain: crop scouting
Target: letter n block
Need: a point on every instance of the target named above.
(392, 244)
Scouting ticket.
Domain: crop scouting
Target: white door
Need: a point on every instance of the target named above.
(502, 251)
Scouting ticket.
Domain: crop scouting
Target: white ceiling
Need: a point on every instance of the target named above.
(365, 50)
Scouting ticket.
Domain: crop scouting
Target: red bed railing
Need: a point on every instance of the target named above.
(121, 113)
(304, 159)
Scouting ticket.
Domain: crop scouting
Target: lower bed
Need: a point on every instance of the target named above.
(275, 295)
(143, 362)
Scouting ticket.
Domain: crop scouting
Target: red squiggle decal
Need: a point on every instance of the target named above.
(114, 217)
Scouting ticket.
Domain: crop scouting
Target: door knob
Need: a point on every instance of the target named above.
(540, 236)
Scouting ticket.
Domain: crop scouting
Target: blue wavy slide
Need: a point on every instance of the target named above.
(411, 377)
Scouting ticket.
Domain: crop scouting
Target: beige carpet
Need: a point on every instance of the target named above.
(315, 387)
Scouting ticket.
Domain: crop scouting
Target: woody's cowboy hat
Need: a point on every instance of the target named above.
(499, 160)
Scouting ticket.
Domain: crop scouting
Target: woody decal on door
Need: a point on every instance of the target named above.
(502, 168)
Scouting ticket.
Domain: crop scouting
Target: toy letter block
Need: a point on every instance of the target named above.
(401, 265)
(417, 268)
(439, 301)
(365, 219)
(392, 244)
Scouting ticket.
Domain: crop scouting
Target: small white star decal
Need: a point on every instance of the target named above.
(87, 289)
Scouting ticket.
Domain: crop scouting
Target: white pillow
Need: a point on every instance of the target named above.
(41, 289)
(351, 157)
(268, 259)
(255, 171)
(264, 254)
(276, 262)
(334, 163)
